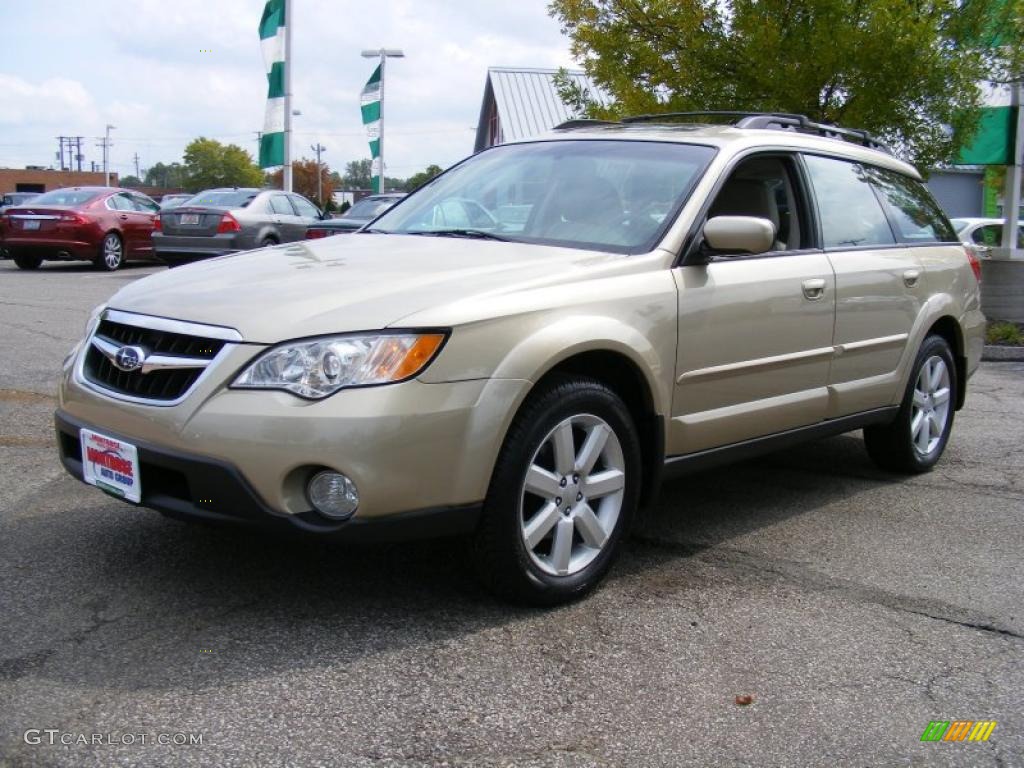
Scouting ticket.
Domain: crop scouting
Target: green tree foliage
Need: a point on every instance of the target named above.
(171, 176)
(130, 181)
(417, 180)
(903, 70)
(357, 174)
(208, 164)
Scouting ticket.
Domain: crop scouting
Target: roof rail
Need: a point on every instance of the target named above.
(583, 122)
(785, 121)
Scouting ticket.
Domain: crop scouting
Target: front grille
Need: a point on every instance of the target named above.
(157, 385)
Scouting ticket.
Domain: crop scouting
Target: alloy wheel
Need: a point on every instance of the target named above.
(930, 405)
(112, 251)
(572, 495)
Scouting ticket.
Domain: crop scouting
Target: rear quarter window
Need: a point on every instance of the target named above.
(915, 215)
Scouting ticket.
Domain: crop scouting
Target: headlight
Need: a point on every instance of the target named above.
(320, 367)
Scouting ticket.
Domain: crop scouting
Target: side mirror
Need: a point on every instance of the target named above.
(739, 234)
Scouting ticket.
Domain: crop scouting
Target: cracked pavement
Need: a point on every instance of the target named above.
(854, 606)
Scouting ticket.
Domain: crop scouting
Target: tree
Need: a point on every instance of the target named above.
(171, 176)
(417, 180)
(130, 181)
(905, 71)
(304, 180)
(208, 163)
(357, 174)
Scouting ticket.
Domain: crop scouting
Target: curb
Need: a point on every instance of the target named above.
(997, 353)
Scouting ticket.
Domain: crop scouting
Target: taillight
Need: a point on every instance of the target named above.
(314, 234)
(972, 256)
(228, 223)
(158, 226)
(72, 218)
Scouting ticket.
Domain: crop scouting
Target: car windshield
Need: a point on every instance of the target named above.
(230, 198)
(598, 194)
(368, 209)
(66, 197)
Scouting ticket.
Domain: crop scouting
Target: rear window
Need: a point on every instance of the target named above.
(66, 197)
(234, 198)
(368, 209)
(914, 213)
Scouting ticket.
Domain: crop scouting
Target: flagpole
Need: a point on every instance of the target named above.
(1011, 190)
(380, 145)
(287, 170)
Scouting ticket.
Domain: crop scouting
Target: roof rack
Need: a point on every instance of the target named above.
(786, 121)
(583, 122)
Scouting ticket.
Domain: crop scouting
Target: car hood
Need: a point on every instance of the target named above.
(339, 284)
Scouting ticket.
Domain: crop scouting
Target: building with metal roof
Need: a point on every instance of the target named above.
(523, 102)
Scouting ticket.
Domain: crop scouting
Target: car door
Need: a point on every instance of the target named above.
(149, 211)
(755, 331)
(307, 215)
(132, 222)
(285, 220)
(880, 284)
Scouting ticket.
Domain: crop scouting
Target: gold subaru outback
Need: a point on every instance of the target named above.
(519, 351)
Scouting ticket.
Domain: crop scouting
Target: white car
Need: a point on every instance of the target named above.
(984, 233)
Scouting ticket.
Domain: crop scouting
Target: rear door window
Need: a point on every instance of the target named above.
(280, 204)
(848, 208)
(304, 207)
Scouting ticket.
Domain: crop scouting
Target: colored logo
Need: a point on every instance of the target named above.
(130, 358)
(958, 730)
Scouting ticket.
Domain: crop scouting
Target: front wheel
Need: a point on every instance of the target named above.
(564, 491)
(914, 441)
(111, 255)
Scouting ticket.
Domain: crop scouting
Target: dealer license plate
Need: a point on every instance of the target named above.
(111, 465)
(189, 219)
(30, 224)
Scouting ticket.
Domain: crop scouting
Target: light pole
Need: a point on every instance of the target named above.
(106, 155)
(318, 148)
(383, 54)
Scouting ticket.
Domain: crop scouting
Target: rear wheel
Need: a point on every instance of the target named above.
(564, 491)
(111, 256)
(914, 441)
(27, 261)
(268, 242)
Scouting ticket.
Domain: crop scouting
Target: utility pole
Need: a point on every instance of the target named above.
(137, 173)
(105, 143)
(79, 157)
(60, 153)
(259, 140)
(318, 148)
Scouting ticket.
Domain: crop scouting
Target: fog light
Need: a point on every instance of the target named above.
(333, 495)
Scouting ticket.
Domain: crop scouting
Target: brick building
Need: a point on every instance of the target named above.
(43, 180)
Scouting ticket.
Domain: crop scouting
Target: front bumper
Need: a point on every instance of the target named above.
(246, 454)
(190, 487)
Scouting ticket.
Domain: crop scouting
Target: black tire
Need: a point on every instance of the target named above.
(892, 446)
(27, 260)
(498, 550)
(111, 255)
(268, 242)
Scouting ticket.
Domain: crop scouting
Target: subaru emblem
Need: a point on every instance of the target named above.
(130, 358)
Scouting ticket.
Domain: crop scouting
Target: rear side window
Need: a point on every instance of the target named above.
(304, 207)
(120, 203)
(850, 213)
(144, 204)
(915, 215)
(280, 204)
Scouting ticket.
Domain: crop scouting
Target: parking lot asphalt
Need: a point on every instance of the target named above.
(852, 606)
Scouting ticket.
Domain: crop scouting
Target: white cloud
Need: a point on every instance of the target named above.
(167, 72)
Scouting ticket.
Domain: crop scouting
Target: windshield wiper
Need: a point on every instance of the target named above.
(479, 234)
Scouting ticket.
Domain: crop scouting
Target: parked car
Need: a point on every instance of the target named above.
(221, 221)
(104, 225)
(359, 215)
(16, 198)
(167, 202)
(678, 296)
(985, 234)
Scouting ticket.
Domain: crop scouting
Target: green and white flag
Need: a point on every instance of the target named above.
(371, 119)
(272, 40)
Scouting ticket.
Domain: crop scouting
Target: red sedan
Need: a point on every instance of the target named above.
(104, 225)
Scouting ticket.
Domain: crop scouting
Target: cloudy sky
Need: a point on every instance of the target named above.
(166, 71)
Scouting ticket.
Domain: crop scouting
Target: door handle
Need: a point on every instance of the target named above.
(814, 289)
(124, 217)
(910, 277)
